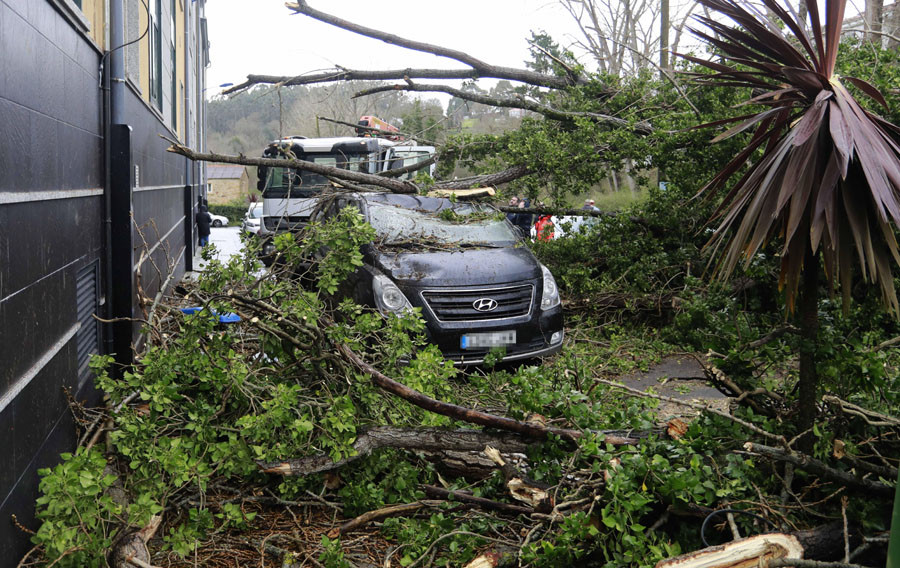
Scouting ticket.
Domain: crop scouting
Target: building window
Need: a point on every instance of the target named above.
(72, 10)
(173, 82)
(155, 54)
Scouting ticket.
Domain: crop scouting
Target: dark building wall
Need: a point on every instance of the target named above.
(159, 212)
(51, 209)
(52, 234)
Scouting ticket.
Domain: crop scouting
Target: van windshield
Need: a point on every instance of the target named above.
(463, 225)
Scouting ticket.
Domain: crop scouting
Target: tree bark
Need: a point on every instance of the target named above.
(874, 21)
(826, 542)
(426, 439)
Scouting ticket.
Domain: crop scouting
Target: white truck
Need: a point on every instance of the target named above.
(290, 196)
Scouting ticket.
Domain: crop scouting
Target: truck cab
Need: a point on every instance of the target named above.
(290, 196)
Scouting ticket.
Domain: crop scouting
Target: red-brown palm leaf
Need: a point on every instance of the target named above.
(829, 174)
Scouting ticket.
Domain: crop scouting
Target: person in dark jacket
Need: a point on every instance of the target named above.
(524, 221)
(203, 223)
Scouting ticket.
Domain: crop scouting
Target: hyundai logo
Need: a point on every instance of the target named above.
(485, 304)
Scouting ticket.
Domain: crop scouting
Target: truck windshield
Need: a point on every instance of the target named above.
(287, 182)
(405, 158)
(467, 225)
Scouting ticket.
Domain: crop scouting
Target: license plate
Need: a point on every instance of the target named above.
(492, 339)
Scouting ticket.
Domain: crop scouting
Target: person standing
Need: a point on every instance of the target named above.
(524, 220)
(204, 220)
(513, 202)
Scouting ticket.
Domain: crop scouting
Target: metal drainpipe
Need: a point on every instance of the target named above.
(115, 115)
(112, 68)
(188, 140)
(107, 210)
(117, 60)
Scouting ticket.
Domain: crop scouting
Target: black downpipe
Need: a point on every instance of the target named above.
(107, 210)
(122, 249)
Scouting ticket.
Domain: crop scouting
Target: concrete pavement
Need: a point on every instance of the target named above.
(227, 241)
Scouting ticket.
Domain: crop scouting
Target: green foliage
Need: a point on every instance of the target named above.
(341, 237)
(79, 519)
(383, 478)
(332, 555)
(214, 404)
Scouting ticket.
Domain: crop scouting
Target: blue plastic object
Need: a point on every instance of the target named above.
(223, 318)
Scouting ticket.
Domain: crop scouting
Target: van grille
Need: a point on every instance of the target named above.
(458, 305)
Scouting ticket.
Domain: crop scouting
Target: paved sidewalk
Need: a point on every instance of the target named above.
(228, 243)
(679, 377)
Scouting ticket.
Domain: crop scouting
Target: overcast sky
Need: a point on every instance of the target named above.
(263, 37)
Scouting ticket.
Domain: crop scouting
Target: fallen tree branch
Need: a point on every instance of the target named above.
(378, 514)
(888, 343)
(884, 471)
(491, 505)
(531, 430)
(817, 467)
(641, 128)
(392, 185)
(871, 417)
(560, 212)
(484, 69)
(771, 336)
(487, 180)
(344, 74)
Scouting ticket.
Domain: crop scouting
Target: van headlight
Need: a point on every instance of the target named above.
(550, 297)
(388, 297)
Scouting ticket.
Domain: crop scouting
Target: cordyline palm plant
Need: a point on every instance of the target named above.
(824, 173)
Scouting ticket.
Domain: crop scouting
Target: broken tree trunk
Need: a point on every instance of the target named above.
(826, 542)
(425, 439)
(433, 441)
(745, 553)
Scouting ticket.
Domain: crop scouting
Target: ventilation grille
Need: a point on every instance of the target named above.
(88, 338)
